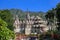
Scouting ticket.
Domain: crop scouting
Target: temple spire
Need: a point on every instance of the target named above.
(27, 15)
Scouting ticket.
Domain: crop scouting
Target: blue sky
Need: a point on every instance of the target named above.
(32, 5)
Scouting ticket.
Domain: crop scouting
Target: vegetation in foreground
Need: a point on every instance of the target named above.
(5, 33)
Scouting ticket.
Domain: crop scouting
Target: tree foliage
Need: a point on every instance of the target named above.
(7, 16)
(50, 14)
(5, 33)
(58, 15)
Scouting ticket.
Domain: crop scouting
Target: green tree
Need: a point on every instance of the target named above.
(58, 15)
(5, 33)
(7, 16)
(50, 14)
